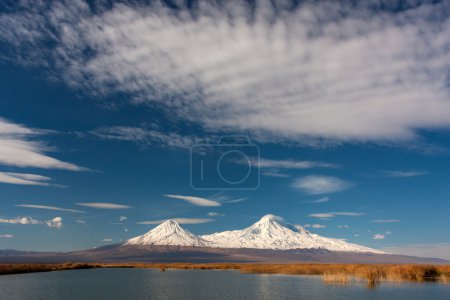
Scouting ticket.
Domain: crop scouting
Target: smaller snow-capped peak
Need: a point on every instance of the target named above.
(168, 233)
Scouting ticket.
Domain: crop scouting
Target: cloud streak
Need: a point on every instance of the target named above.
(18, 150)
(386, 221)
(195, 200)
(103, 205)
(334, 214)
(51, 208)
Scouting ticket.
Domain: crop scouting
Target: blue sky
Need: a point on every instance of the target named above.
(348, 106)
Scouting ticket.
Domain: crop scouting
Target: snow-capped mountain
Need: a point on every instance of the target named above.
(171, 234)
(271, 232)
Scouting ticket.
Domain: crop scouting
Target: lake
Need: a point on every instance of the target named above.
(199, 284)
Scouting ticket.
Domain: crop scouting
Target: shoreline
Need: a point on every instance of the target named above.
(331, 273)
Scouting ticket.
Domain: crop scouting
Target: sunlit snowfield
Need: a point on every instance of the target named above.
(199, 284)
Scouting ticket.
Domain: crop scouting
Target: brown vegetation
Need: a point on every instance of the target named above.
(338, 273)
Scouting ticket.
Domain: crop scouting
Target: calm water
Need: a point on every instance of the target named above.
(198, 284)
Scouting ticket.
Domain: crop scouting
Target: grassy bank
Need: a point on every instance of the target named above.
(338, 273)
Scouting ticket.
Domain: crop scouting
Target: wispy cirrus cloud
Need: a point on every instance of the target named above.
(178, 220)
(274, 173)
(50, 208)
(317, 184)
(145, 136)
(287, 71)
(195, 200)
(290, 164)
(6, 236)
(18, 150)
(317, 201)
(103, 205)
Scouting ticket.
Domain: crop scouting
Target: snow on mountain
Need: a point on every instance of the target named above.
(271, 232)
(168, 233)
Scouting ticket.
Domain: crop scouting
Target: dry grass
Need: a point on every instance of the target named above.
(338, 273)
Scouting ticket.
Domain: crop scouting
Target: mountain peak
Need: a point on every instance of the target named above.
(271, 218)
(168, 233)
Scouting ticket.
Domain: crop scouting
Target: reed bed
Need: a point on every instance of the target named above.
(331, 273)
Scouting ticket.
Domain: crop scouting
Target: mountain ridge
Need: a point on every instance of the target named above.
(270, 232)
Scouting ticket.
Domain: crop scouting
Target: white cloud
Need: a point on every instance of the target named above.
(81, 221)
(317, 70)
(107, 240)
(24, 178)
(343, 226)
(274, 173)
(378, 236)
(122, 218)
(50, 208)
(178, 220)
(386, 221)
(18, 150)
(316, 184)
(195, 200)
(103, 205)
(404, 174)
(334, 214)
(55, 223)
(6, 236)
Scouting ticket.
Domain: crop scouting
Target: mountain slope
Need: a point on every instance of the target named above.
(168, 233)
(271, 232)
